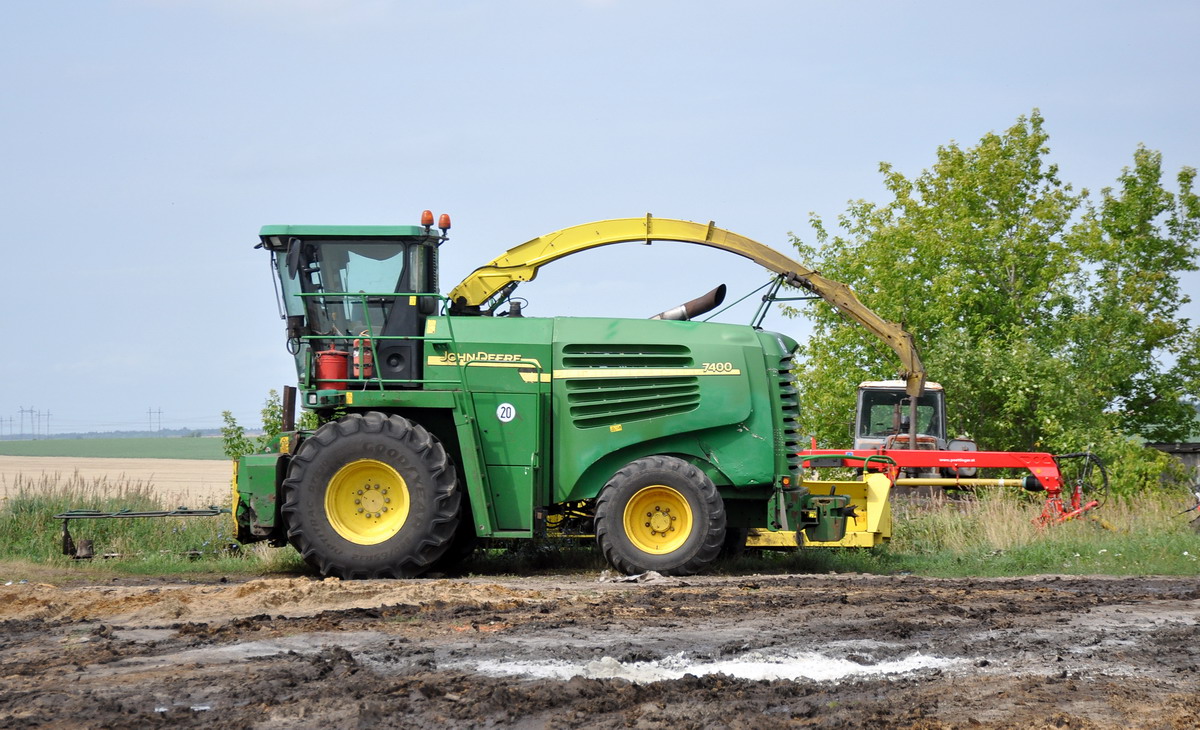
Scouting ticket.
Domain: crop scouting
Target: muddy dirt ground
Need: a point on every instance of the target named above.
(757, 651)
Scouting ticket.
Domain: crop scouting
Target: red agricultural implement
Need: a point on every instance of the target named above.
(1074, 483)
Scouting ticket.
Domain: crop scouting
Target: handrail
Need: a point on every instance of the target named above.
(374, 380)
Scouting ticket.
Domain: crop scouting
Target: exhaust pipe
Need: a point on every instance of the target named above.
(696, 307)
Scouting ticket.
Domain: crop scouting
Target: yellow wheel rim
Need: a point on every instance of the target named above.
(658, 519)
(366, 502)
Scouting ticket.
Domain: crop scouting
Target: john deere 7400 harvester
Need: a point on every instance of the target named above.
(444, 420)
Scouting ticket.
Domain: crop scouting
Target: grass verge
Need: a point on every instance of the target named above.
(31, 540)
(990, 535)
(995, 535)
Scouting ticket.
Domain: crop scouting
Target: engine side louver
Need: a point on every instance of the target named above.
(653, 392)
(790, 424)
(627, 356)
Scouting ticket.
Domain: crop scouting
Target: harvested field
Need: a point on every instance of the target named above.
(189, 482)
(574, 651)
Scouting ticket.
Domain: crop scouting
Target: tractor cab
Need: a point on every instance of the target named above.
(355, 299)
(882, 416)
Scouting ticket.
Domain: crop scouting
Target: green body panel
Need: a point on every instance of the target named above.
(619, 394)
(499, 366)
(512, 501)
(257, 509)
(362, 400)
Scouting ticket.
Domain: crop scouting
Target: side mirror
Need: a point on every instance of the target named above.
(293, 257)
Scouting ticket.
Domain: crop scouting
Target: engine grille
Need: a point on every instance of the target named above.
(607, 401)
(644, 355)
(789, 425)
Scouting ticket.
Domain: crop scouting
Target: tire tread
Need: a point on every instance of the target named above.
(440, 528)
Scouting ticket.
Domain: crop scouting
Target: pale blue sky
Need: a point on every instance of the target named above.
(144, 142)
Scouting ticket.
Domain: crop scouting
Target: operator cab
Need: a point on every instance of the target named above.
(352, 298)
(882, 416)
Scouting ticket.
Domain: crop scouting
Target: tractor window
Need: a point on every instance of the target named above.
(336, 268)
(886, 412)
(364, 273)
(364, 267)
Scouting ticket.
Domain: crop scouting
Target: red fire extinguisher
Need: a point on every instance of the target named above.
(364, 359)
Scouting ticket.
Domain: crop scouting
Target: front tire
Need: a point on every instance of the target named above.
(660, 513)
(371, 496)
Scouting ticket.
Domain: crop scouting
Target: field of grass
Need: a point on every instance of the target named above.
(119, 448)
(30, 536)
(993, 535)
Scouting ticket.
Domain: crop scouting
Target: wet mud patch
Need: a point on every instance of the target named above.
(810, 651)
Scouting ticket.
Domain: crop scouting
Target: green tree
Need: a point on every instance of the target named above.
(237, 444)
(1052, 321)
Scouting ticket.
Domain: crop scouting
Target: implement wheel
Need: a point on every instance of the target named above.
(660, 513)
(371, 496)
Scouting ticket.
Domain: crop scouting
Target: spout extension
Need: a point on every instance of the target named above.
(696, 307)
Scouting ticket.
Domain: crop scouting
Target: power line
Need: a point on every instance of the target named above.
(23, 411)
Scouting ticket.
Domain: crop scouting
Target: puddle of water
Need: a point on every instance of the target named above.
(753, 665)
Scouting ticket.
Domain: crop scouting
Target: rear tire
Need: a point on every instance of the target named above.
(660, 513)
(371, 496)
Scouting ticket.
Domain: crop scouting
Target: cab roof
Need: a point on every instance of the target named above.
(343, 231)
(895, 385)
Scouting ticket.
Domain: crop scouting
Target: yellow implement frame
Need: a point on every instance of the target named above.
(871, 526)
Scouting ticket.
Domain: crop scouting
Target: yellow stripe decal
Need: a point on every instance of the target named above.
(638, 373)
(528, 364)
